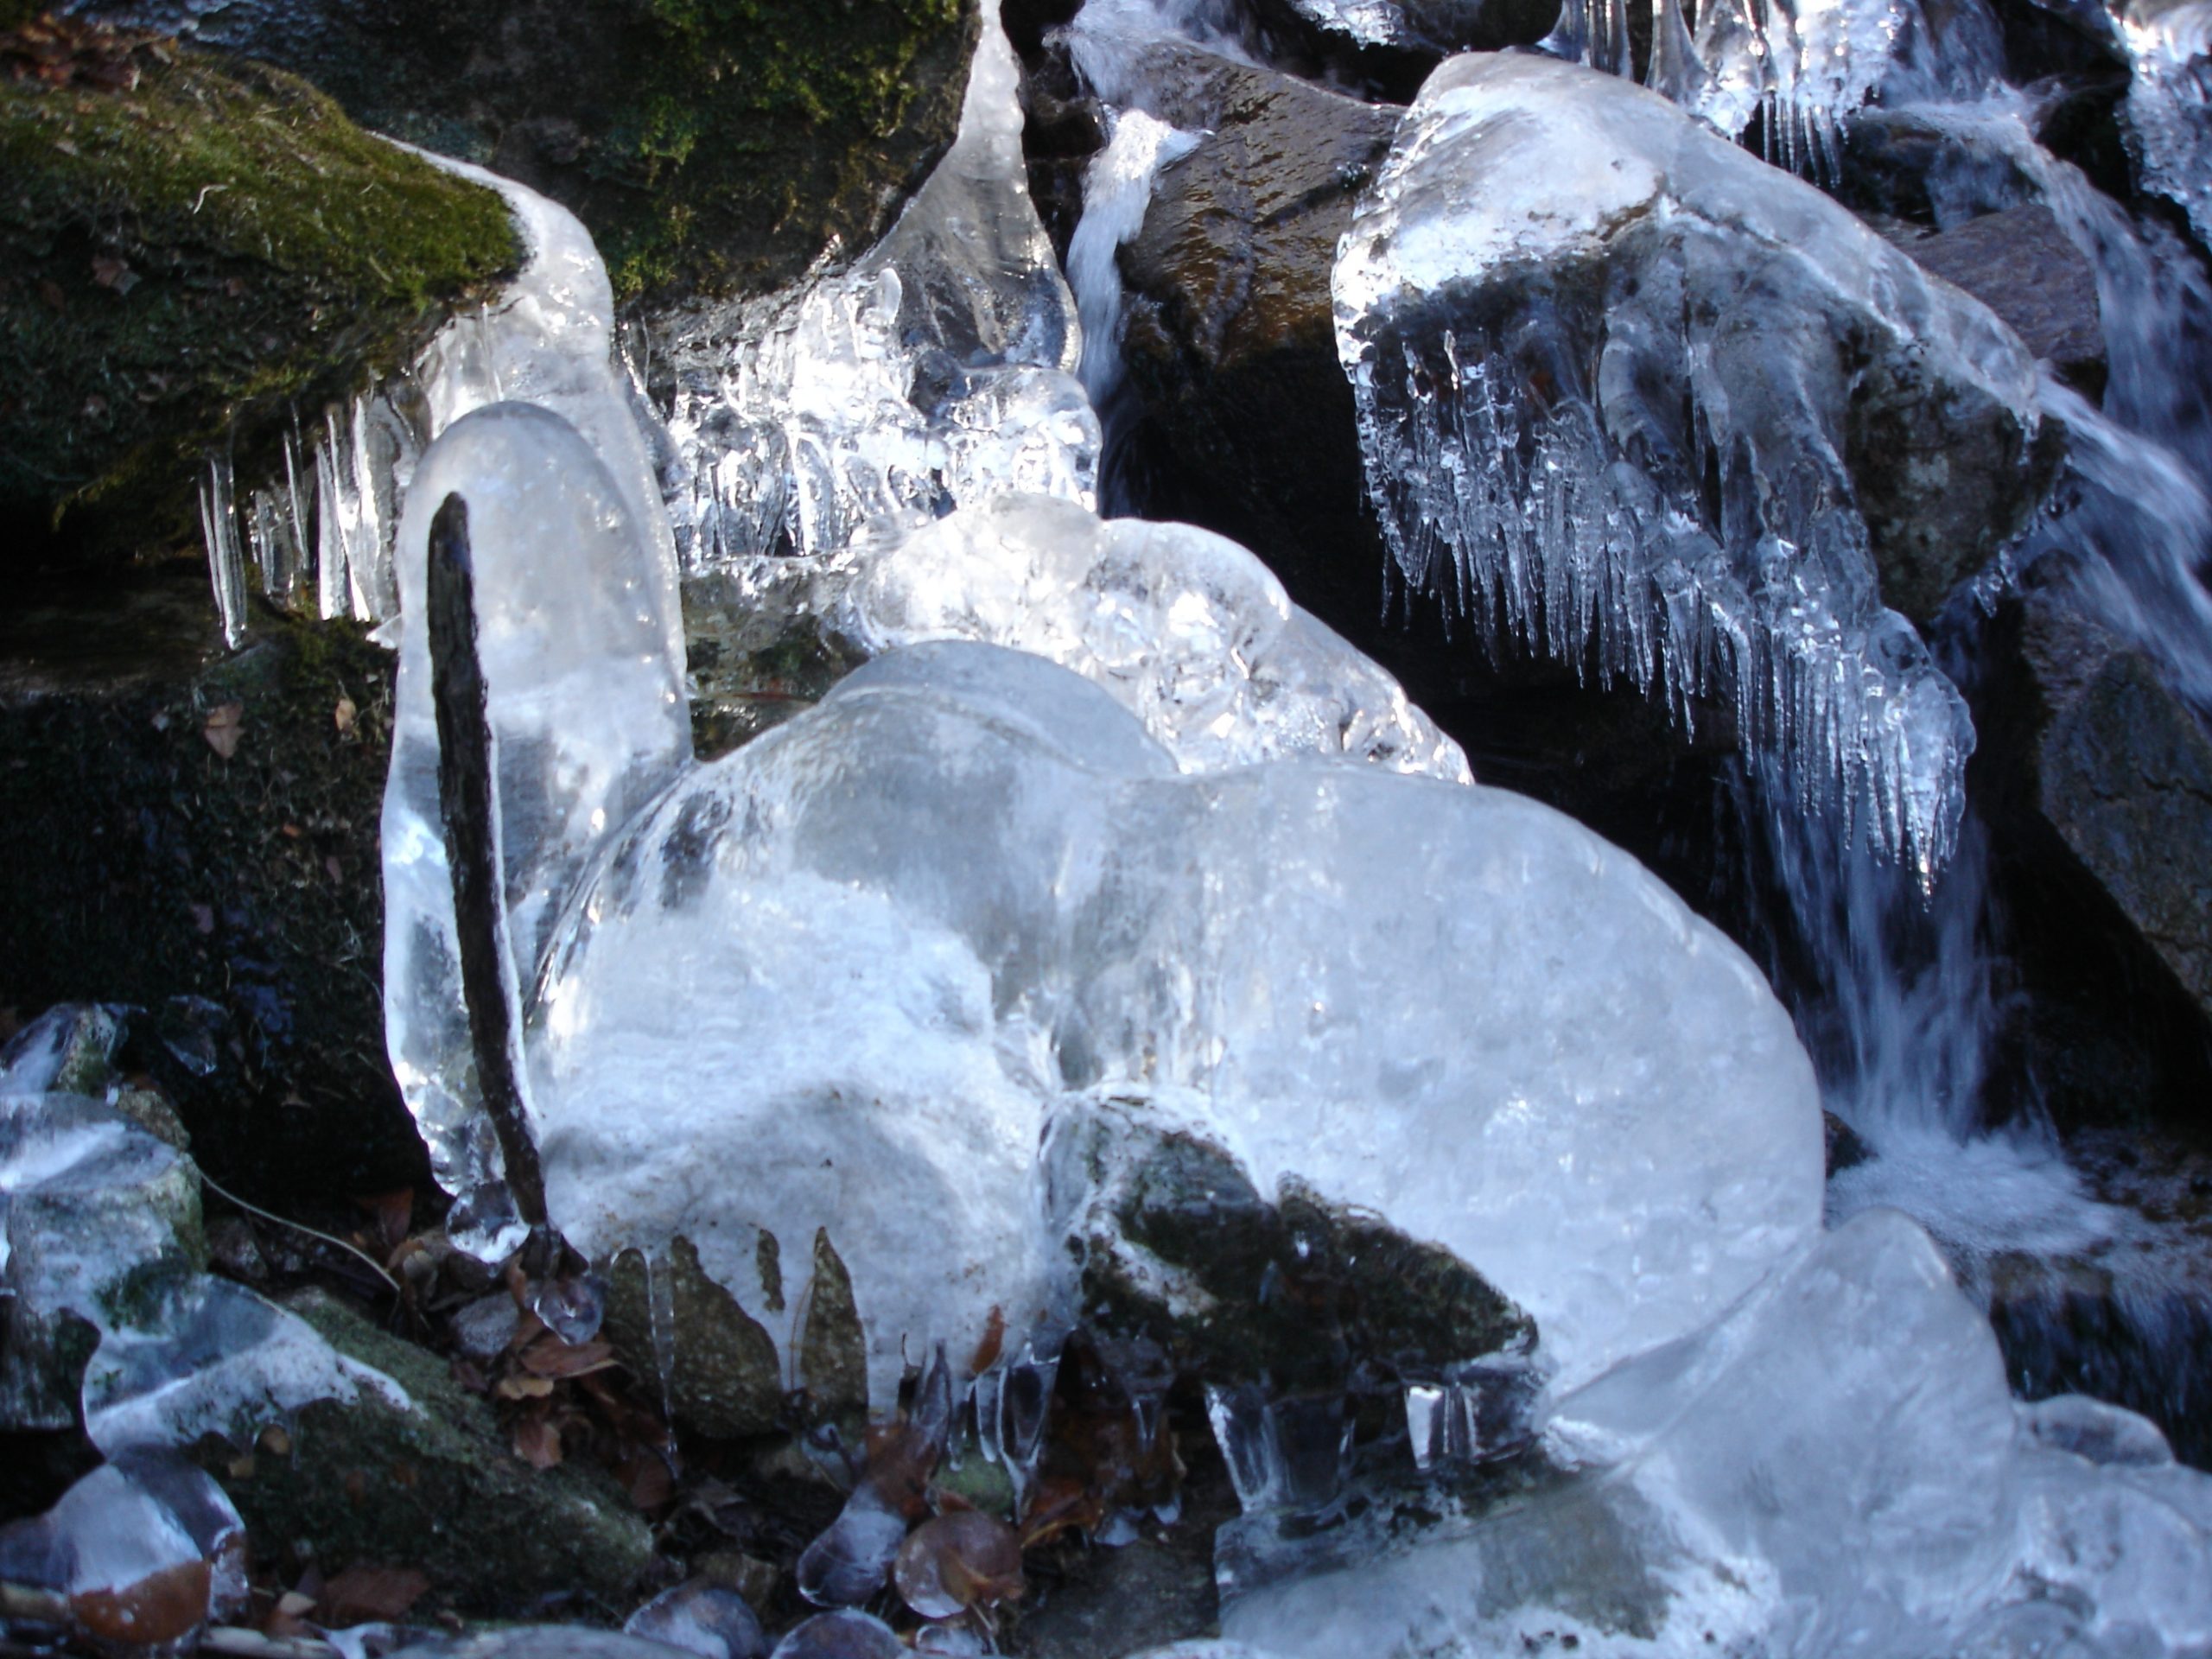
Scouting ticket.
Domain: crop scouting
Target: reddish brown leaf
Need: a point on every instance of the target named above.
(365, 1594)
(524, 1388)
(537, 1443)
(394, 1212)
(550, 1356)
(987, 1350)
(224, 725)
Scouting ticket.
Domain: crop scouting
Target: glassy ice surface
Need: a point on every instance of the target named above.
(97, 1220)
(937, 370)
(1184, 629)
(1836, 1466)
(895, 932)
(585, 699)
(2169, 108)
(1678, 514)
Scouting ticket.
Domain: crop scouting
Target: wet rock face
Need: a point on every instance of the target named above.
(1179, 1247)
(715, 146)
(2098, 778)
(2020, 264)
(181, 831)
(188, 248)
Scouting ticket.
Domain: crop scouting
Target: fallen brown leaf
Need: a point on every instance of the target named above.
(524, 1388)
(550, 1357)
(538, 1442)
(364, 1595)
(224, 725)
(342, 716)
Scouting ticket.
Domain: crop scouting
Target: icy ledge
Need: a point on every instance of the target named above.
(1632, 396)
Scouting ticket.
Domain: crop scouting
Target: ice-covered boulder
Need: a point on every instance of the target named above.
(836, 987)
(1626, 390)
(2169, 108)
(1835, 1467)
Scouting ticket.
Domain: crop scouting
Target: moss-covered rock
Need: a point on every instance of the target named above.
(711, 145)
(188, 248)
(438, 1488)
(176, 827)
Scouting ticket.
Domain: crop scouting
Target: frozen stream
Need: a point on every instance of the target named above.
(1108, 840)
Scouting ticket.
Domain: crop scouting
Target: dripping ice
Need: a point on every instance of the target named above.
(1580, 519)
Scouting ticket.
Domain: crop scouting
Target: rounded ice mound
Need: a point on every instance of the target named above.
(837, 983)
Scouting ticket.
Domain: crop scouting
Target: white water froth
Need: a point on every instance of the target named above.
(1116, 191)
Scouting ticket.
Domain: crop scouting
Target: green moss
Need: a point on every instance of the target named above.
(761, 130)
(182, 261)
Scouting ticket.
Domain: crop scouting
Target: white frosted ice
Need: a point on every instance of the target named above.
(842, 979)
(1640, 466)
(585, 690)
(1836, 1467)
(1186, 630)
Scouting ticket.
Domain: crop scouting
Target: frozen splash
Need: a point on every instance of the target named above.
(1685, 518)
(2169, 108)
(1797, 71)
(938, 370)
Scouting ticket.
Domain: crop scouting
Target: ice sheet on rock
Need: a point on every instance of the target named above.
(1799, 71)
(1836, 1467)
(1188, 631)
(838, 979)
(211, 1357)
(585, 698)
(938, 370)
(2169, 107)
(547, 338)
(1678, 513)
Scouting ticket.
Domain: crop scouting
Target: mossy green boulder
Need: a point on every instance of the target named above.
(711, 146)
(189, 248)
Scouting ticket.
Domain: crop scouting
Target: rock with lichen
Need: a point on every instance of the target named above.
(190, 250)
(713, 145)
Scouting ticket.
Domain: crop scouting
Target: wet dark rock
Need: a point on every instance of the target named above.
(841, 1636)
(1179, 1247)
(540, 1641)
(233, 898)
(439, 1488)
(2096, 778)
(1844, 1149)
(188, 248)
(702, 1617)
(2021, 265)
(719, 146)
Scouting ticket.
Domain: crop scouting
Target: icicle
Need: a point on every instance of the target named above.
(1282, 1454)
(225, 556)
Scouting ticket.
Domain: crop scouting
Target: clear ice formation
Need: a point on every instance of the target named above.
(1678, 513)
(585, 687)
(322, 537)
(99, 1257)
(938, 370)
(1184, 629)
(2169, 108)
(1835, 1467)
(967, 892)
(1798, 70)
